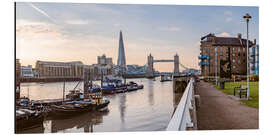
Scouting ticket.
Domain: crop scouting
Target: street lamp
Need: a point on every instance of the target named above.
(216, 65)
(247, 17)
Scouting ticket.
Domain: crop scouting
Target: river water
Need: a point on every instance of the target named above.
(148, 109)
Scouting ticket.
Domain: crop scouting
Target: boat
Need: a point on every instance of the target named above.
(132, 86)
(112, 85)
(71, 108)
(100, 102)
(26, 118)
(80, 103)
(164, 78)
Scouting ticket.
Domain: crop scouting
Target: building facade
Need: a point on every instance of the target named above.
(254, 60)
(27, 71)
(95, 71)
(17, 78)
(18, 69)
(224, 55)
(136, 69)
(50, 69)
(103, 60)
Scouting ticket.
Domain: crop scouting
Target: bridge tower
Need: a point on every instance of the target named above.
(176, 65)
(150, 68)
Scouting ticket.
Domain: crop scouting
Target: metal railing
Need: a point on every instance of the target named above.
(181, 119)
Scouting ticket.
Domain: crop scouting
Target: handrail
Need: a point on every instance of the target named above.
(181, 118)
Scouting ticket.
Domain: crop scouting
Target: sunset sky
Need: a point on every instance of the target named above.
(81, 32)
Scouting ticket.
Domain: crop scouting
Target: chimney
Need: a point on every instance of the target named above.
(254, 41)
(239, 35)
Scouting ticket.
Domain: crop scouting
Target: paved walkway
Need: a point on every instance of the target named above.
(219, 111)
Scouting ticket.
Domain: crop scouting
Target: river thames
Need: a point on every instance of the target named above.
(148, 109)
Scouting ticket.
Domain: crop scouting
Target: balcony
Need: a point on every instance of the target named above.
(204, 63)
(203, 57)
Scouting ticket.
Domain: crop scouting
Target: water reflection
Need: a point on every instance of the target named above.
(122, 106)
(150, 94)
(84, 121)
(149, 109)
(35, 129)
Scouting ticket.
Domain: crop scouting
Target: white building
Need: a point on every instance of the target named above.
(27, 71)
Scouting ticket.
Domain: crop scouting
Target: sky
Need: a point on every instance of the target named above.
(83, 31)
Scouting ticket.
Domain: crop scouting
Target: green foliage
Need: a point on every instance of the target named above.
(254, 92)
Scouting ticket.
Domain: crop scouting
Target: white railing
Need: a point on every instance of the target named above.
(181, 118)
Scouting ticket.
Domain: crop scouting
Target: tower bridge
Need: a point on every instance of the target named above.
(163, 61)
(151, 61)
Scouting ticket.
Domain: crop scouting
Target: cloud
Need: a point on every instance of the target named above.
(77, 22)
(171, 28)
(228, 19)
(227, 12)
(224, 34)
(41, 11)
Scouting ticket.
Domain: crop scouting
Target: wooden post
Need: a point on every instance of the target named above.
(28, 92)
(64, 92)
(101, 82)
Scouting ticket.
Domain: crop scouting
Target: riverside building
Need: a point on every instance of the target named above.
(227, 55)
(27, 71)
(49, 69)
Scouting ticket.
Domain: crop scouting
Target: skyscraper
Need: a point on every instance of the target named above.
(121, 62)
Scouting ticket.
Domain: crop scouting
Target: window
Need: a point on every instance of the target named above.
(238, 61)
(238, 49)
(233, 48)
(220, 49)
(233, 60)
(233, 54)
(244, 49)
(233, 66)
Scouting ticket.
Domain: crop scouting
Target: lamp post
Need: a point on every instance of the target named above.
(247, 17)
(216, 65)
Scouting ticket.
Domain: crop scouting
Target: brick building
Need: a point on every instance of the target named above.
(228, 53)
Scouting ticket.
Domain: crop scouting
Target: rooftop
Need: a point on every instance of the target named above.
(237, 41)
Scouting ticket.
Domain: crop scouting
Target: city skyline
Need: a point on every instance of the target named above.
(81, 32)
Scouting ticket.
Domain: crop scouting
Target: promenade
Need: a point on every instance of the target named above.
(219, 111)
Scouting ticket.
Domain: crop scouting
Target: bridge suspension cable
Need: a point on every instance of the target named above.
(183, 66)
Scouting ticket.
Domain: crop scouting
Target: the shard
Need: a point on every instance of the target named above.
(121, 62)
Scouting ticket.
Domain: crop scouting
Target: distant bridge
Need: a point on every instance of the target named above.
(163, 60)
(151, 61)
